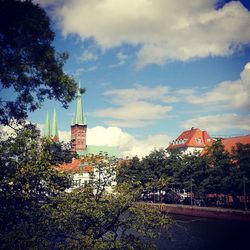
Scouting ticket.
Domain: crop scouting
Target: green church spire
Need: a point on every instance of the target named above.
(79, 110)
(47, 126)
(54, 130)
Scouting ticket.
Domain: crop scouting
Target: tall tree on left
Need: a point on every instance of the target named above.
(29, 64)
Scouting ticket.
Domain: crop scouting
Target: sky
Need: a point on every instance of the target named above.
(153, 68)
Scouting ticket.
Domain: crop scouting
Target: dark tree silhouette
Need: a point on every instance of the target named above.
(29, 64)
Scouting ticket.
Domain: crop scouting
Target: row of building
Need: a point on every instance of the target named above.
(188, 142)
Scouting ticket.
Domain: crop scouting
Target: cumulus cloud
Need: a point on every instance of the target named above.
(163, 29)
(125, 142)
(228, 94)
(137, 107)
(64, 135)
(218, 123)
(128, 144)
(138, 93)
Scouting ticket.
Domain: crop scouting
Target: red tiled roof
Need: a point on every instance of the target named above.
(75, 166)
(231, 142)
(192, 138)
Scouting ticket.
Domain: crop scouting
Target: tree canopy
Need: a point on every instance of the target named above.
(37, 212)
(215, 172)
(29, 65)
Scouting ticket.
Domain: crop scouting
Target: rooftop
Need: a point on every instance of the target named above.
(231, 142)
(192, 138)
(96, 150)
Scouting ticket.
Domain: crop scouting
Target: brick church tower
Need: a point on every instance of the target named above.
(79, 126)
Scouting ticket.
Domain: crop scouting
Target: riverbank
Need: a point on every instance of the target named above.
(194, 233)
(204, 212)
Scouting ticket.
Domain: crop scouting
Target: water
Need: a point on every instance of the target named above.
(191, 233)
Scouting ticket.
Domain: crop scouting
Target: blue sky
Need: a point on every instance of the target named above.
(153, 68)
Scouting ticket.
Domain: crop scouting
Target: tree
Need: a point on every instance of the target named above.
(27, 182)
(241, 160)
(29, 64)
(105, 220)
(193, 166)
(223, 175)
(148, 173)
(37, 213)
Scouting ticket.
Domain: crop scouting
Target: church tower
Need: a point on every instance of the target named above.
(46, 131)
(54, 130)
(79, 126)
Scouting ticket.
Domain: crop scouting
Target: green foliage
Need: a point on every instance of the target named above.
(241, 160)
(114, 221)
(30, 67)
(215, 172)
(148, 173)
(27, 181)
(37, 213)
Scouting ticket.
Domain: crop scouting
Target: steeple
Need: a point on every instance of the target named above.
(54, 130)
(79, 110)
(46, 131)
(79, 126)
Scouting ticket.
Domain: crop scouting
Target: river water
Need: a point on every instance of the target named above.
(193, 233)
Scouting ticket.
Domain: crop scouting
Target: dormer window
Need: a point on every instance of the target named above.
(198, 140)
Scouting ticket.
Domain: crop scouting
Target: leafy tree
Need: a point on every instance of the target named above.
(37, 213)
(27, 182)
(241, 160)
(223, 175)
(148, 173)
(113, 221)
(193, 166)
(29, 64)
(241, 157)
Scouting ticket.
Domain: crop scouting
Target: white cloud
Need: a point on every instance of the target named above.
(135, 111)
(88, 56)
(138, 93)
(128, 144)
(128, 123)
(84, 70)
(137, 107)
(122, 58)
(228, 94)
(64, 136)
(218, 123)
(163, 29)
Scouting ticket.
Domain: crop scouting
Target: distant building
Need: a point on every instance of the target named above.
(79, 135)
(229, 143)
(81, 171)
(197, 140)
(84, 169)
(190, 141)
(51, 131)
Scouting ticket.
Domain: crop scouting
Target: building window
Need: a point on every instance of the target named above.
(198, 140)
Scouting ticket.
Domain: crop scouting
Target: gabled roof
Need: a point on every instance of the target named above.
(192, 138)
(231, 142)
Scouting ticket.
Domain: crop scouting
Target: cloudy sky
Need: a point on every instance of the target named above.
(153, 68)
